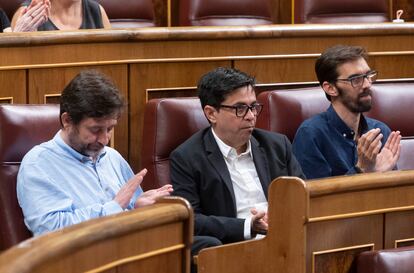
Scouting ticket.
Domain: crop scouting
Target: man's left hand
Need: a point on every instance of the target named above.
(388, 157)
(151, 196)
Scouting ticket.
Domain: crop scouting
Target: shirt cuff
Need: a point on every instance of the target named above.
(112, 207)
(248, 228)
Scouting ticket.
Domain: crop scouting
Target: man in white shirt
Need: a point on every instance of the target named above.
(224, 170)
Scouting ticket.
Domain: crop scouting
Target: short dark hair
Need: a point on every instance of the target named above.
(216, 85)
(326, 66)
(91, 94)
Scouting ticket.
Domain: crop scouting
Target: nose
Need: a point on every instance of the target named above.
(104, 137)
(249, 114)
(367, 83)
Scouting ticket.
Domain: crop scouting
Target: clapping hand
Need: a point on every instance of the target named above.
(33, 16)
(371, 157)
(151, 196)
(123, 197)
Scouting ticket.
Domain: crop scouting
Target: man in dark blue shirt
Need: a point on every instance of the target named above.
(341, 140)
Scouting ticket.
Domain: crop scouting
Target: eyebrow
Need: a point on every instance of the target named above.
(359, 74)
(243, 103)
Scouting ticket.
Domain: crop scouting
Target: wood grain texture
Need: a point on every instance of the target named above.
(298, 240)
(13, 86)
(116, 242)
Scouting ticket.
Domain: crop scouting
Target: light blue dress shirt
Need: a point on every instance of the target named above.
(59, 187)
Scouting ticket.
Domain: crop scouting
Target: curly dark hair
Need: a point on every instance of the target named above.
(91, 94)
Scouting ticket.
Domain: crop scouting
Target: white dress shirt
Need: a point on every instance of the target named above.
(246, 183)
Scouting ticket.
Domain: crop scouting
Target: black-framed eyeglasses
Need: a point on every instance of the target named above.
(242, 109)
(358, 80)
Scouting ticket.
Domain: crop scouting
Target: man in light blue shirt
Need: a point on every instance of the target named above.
(75, 177)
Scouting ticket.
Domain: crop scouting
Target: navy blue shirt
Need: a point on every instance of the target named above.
(324, 145)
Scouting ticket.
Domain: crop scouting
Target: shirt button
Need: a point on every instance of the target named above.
(344, 135)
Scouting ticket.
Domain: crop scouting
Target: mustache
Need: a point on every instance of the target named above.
(365, 93)
(97, 144)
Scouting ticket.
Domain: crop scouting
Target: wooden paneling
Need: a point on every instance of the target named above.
(284, 9)
(333, 241)
(150, 76)
(46, 84)
(383, 64)
(399, 229)
(279, 70)
(13, 86)
(161, 12)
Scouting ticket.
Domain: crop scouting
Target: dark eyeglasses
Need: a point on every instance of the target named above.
(242, 109)
(358, 80)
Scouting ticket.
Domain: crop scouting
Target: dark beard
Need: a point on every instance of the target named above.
(357, 106)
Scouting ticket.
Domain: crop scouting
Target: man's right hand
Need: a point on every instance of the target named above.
(123, 197)
(259, 222)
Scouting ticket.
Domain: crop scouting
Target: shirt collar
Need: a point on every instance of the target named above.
(341, 126)
(72, 152)
(228, 151)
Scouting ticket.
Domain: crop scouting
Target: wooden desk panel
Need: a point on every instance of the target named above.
(13, 86)
(399, 229)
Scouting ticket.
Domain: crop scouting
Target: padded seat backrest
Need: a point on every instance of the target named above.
(341, 11)
(129, 13)
(21, 128)
(284, 111)
(398, 260)
(225, 12)
(392, 103)
(167, 123)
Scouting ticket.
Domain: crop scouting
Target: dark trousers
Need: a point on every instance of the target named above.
(199, 243)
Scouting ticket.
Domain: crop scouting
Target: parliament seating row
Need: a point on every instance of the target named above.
(22, 127)
(141, 13)
(170, 121)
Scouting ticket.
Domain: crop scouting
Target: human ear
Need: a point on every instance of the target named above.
(66, 120)
(330, 89)
(210, 112)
